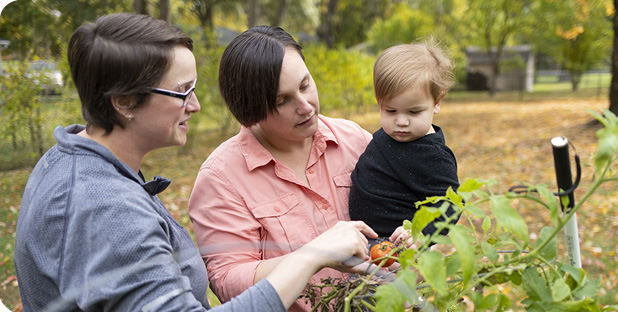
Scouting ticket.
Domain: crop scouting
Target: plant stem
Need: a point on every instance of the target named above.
(534, 253)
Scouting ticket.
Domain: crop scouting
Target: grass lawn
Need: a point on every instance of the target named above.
(504, 138)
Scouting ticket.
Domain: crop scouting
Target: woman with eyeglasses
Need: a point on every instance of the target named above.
(284, 179)
(92, 235)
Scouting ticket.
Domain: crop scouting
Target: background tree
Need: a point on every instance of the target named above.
(253, 12)
(205, 10)
(140, 6)
(403, 25)
(328, 9)
(491, 24)
(282, 8)
(164, 10)
(19, 23)
(574, 35)
(613, 89)
(354, 18)
(73, 14)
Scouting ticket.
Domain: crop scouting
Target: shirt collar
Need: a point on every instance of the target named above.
(256, 155)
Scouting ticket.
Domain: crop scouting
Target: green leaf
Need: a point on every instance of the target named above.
(422, 217)
(392, 296)
(560, 290)
(504, 302)
(454, 197)
(607, 144)
(389, 297)
(489, 251)
(535, 286)
(515, 277)
(586, 290)
(476, 298)
(486, 225)
(406, 258)
(407, 224)
(587, 304)
(474, 210)
(441, 239)
(452, 265)
(508, 217)
(470, 185)
(487, 303)
(550, 251)
(433, 269)
(552, 204)
(465, 250)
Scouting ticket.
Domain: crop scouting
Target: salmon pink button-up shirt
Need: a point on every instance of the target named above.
(246, 206)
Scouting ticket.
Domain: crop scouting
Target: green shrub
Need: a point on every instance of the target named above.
(344, 78)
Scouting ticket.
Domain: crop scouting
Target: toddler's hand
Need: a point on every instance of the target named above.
(402, 236)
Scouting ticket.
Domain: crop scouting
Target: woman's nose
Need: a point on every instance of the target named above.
(193, 105)
(304, 107)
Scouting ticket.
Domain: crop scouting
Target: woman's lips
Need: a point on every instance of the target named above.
(309, 120)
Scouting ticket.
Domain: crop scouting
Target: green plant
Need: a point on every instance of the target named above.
(348, 93)
(487, 253)
(21, 110)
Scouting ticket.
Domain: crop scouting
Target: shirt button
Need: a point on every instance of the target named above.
(277, 209)
(324, 206)
(310, 171)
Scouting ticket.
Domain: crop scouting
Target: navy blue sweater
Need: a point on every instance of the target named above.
(391, 176)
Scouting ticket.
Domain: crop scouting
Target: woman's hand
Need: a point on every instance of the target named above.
(342, 247)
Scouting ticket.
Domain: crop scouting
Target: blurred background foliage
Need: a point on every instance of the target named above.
(341, 39)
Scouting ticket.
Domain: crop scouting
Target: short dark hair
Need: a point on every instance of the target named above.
(249, 72)
(120, 55)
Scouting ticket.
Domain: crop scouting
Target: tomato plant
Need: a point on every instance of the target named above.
(380, 251)
(488, 251)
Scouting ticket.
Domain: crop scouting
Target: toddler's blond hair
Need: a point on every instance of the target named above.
(416, 65)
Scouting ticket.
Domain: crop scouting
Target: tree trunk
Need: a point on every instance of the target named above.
(253, 12)
(164, 10)
(325, 32)
(204, 12)
(140, 6)
(39, 133)
(613, 89)
(576, 78)
(281, 11)
(495, 72)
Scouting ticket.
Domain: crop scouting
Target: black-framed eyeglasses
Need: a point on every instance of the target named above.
(185, 96)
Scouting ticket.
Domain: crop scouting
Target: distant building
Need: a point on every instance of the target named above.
(516, 71)
(3, 45)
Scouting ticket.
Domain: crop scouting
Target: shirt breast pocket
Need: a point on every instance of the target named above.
(343, 183)
(285, 225)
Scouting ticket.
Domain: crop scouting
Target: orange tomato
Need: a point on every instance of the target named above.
(381, 250)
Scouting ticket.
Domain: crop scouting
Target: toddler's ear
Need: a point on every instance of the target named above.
(436, 106)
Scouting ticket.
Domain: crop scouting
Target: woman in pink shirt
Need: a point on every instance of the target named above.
(283, 179)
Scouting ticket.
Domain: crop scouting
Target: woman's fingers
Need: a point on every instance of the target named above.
(365, 229)
(343, 243)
